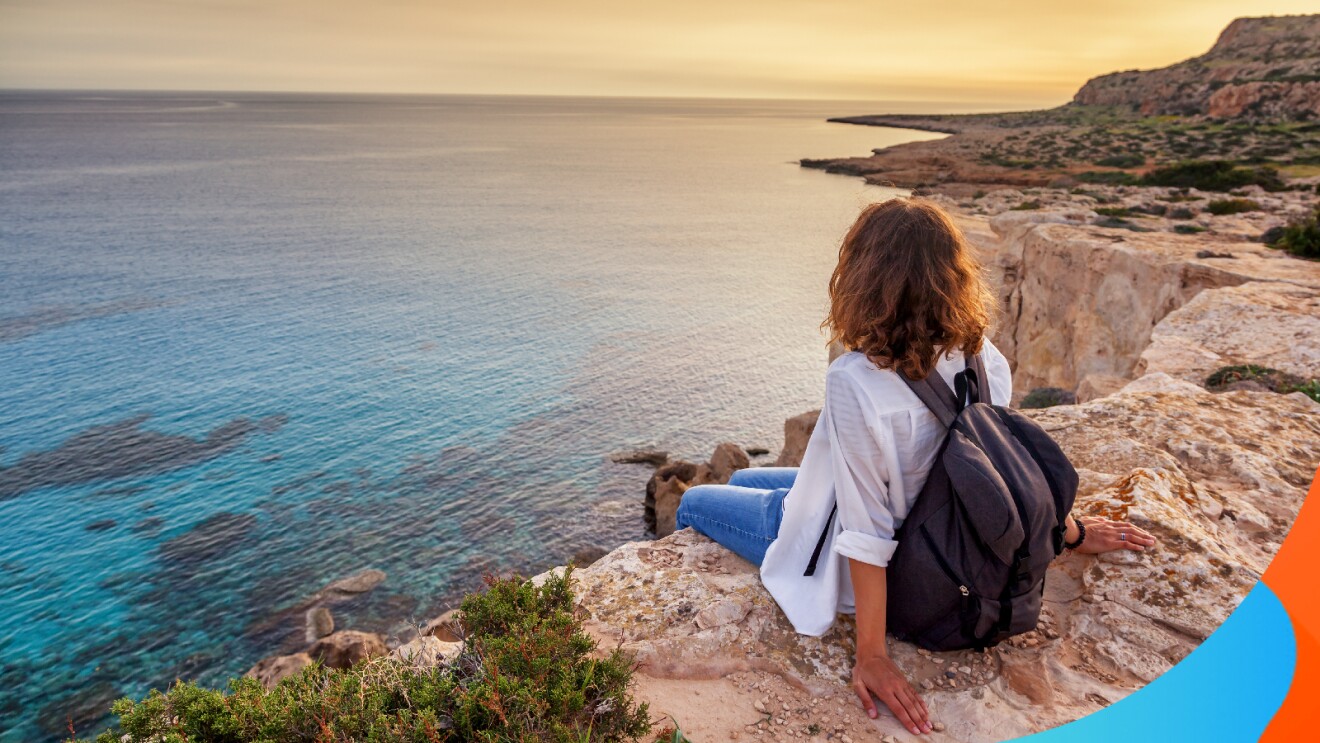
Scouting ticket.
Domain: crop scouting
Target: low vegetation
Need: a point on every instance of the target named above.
(1301, 238)
(1214, 175)
(1047, 397)
(1220, 207)
(1264, 377)
(527, 673)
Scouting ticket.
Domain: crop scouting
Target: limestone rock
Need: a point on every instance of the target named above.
(653, 457)
(346, 647)
(797, 432)
(269, 671)
(727, 459)
(1082, 302)
(1272, 324)
(320, 622)
(668, 480)
(427, 652)
(445, 627)
(359, 582)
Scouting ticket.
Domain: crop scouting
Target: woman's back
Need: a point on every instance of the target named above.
(870, 453)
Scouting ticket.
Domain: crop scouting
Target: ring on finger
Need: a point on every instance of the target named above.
(1122, 536)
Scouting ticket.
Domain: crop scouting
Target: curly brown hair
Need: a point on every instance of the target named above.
(907, 288)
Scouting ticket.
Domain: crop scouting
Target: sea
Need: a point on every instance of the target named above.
(254, 343)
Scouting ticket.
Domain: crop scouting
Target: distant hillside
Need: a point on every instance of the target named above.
(1260, 68)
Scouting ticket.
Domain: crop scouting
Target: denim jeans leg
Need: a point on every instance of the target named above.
(766, 478)
(745, 520)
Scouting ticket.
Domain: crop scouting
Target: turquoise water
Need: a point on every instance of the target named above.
(250, 344)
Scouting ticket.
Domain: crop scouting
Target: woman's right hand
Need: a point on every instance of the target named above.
(875, 676)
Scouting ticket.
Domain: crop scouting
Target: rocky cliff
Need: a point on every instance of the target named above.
(1260, 67)
(1137, 320)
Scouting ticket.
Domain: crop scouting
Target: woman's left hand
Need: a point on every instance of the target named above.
(1104, 535)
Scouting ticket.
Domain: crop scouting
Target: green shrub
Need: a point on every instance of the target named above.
(1188, 229)
(1309, 388)
(1127, 160)
(1301, 238)
(1181, 212)
(1271, 379)
(1027, 206)
(525, 674)
(1220, 207)
(1047, 397)
(1120, 223)
(1113, 211)
(1110, 177)
(1214, 175)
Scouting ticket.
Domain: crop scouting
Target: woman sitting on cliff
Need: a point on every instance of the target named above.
(907, 294)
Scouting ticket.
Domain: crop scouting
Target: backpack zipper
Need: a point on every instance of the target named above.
(944, 566)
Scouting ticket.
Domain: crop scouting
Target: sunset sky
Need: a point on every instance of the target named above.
(1028, 53)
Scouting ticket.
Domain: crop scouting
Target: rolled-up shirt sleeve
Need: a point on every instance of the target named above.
(861, 476)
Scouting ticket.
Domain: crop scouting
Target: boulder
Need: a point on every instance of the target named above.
(320, 622)
(445, 627)
(727, 459)
(270, 671)
(359, 582)
(797, 432)
(344, 648)
(427, 652)
(668, 494)
(653, 457)
(681, 471)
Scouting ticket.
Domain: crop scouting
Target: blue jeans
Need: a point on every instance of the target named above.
(744, 515)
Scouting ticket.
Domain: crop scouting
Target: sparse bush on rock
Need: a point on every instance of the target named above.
(526, 674)
(1047, 397)
(1214, 175)
(1263, 377)
(1301, 238)
(1220, 207)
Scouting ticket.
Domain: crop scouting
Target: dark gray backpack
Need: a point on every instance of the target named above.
(969, 570)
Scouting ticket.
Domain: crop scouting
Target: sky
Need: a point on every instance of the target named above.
(1026, 53)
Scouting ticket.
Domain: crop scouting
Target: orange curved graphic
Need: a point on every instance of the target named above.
(1294, 576)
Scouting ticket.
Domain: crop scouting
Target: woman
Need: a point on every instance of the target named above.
(907, 295)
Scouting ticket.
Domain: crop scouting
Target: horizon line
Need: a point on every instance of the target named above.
(419, 94)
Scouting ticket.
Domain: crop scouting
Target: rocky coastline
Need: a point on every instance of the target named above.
(1124, 301)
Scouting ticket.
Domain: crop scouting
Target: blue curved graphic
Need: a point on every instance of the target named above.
(1224, 691)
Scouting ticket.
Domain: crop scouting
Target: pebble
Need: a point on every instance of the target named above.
(950, 674)
(964, 669)
(760, 707)
(937, 727)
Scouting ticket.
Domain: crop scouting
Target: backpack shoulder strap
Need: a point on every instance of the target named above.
(935, 393)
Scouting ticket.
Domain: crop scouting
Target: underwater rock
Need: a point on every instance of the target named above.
(213, 537)
(122, 449)
(653, 457)
(320, 622)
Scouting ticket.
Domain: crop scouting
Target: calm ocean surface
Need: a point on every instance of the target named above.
(250, 344)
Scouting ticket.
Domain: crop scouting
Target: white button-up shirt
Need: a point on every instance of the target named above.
(871, 450)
